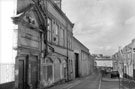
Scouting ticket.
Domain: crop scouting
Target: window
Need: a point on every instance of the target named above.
(48, 69)
(61, 37)
(55, 32)
(56, 29)
(69, 41)
(49, 30)
(65, 38)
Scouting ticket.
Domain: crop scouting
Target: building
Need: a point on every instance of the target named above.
(125, 60)
(44, 50)
(104, 63)
(44, 44)
(83, 61)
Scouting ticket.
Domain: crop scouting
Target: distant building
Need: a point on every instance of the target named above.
(104, 62)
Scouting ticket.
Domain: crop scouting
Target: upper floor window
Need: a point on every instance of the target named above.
(69, 41)
(55, 32)
(49, 30)
(61, 37)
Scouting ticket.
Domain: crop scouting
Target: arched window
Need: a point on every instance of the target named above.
(57, 69)
(48, 69)
(48, 60)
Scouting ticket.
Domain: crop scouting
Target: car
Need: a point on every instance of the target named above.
(115, 74)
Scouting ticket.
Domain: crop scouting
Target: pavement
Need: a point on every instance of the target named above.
(127, 83)
(123, 82)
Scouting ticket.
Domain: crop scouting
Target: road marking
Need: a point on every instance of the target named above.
(100, 83)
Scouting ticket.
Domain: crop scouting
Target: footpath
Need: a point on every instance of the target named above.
(123, 82)
(70, 84)
(127, 83)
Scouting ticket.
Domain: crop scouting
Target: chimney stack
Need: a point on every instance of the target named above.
(58, 3)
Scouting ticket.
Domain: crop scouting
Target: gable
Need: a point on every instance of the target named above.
(31, 18)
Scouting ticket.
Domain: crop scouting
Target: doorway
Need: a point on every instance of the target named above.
(28, 72)
(76, 65)
(22, 73)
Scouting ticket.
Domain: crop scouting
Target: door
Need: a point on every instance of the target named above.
(22, 73)
(34, 71)
(76, 64)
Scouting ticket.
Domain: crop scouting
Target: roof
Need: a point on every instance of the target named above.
(61, 12)
(80, 43)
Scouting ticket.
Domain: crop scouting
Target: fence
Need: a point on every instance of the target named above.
(7, 73)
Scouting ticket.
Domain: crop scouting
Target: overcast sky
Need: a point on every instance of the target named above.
(102, 25)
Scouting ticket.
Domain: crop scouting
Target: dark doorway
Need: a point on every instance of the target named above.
(22, 73)
(76, 65)
(34, 71)
(28, 71)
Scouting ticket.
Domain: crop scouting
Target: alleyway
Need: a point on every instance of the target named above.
(91, 82)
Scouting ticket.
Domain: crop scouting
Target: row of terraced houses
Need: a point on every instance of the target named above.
(124, 61)
(44, 52)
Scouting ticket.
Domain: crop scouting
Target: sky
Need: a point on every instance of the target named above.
(102, 25)
(7, 10)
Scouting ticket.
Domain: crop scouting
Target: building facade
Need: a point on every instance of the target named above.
(83, 63)
(44, 49)
(124, 60)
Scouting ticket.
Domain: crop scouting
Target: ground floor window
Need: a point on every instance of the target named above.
(48, 69)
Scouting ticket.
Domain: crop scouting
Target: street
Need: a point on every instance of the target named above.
(110, 84)
(93, 81)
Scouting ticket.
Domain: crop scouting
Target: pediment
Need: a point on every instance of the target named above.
(31, 18)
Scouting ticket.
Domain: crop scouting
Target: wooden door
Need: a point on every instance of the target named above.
(22, 73)
(34, 72)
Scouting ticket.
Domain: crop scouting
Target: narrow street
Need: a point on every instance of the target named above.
(91, 82)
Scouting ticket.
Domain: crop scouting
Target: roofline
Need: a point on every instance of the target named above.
(61, 12)
(80, 43)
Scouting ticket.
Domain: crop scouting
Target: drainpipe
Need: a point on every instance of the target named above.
(67, 57)
(43, 24)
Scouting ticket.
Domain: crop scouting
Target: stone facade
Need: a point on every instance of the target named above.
(46, 58)
(82, 57)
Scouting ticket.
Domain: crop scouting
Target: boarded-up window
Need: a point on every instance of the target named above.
(48, 69)
(49, 72)
(45, 72)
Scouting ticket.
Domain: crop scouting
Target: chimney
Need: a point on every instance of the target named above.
(58, 3)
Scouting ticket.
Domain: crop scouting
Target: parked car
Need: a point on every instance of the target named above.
(115, 74)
